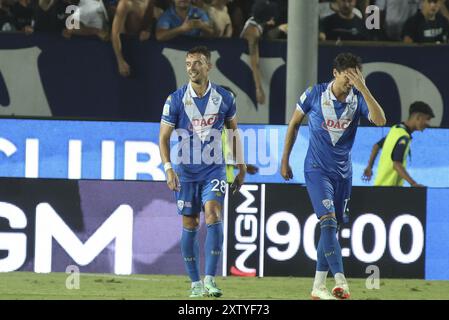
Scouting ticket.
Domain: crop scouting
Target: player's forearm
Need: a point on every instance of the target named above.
(168, 34)
(376, 112)
(164, 148)
(403, 172)
(117, 46)
(290, 138)
(373, 155)
(207, 30)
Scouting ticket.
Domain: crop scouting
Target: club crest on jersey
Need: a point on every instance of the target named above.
(336, 125)
(180, 204)
(328, 203)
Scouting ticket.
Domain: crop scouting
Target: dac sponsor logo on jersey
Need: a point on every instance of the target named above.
(332, 125)
(206, 121)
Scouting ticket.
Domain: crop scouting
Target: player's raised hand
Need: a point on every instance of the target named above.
(286, 171)
(356, 78)
(367, 174)
(173, 180)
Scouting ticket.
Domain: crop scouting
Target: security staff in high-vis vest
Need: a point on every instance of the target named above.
(395, 146)
(228, 154)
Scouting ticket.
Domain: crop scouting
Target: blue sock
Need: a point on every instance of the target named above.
(321, 261)
(331, 247)
(214, 243)
(190, 253)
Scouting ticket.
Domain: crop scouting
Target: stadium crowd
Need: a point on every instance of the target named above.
(408, 21)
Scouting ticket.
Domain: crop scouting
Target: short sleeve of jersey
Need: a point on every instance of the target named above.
(232, 111)
(164, 22)
(305, 101)
(203, 16)
(364, 107)
(399, 149)
(170, 112)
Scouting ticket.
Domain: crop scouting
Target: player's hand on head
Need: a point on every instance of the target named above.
(367, 174)
(173, 180)
(356, 78)
(286, 171)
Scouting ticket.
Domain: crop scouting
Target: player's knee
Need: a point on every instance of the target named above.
(212, 210)
(191, 222)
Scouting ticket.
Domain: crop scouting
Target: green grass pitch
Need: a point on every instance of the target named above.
(27, 285)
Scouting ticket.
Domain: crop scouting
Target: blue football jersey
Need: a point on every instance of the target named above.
(332, 126)
(201, 121)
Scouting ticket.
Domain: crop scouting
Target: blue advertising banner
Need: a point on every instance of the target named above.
(45, 75)
(130, 151)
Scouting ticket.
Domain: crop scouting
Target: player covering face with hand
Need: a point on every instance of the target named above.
(334, 110)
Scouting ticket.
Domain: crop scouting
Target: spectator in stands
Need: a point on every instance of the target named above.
(93, 20)
(23, 14)
(328, 8)
(183, 19)
(220, 19)
(279, 30)
(427, 25)
(343, 25)
(7, 21)
(50, 15)
(394, 14)
(445, 9)
(264, 14)
(239, 11)
(132, 17)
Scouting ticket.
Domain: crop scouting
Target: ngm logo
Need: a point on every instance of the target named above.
(49, 226)
(246, 249)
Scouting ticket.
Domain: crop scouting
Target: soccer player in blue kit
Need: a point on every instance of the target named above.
(200, 110)
(334, 110)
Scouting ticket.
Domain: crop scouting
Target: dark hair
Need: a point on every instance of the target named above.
(201, 50)
(264, 10)
(421, 107)
(347, 60)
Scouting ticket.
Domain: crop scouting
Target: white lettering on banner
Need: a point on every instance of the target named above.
(395, 238)
(245, 190)
(108, 160)
(309, 236)
(32, 158)
(118, 227)
(134, 167)
(412, 86)
(75, 152)
(357, 238)
(15, 243)
(247, 111)
(292, 238)
(23, 62)
(246, 220)
(249, 223)
(7, 147)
